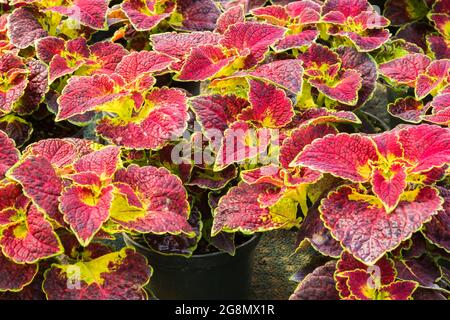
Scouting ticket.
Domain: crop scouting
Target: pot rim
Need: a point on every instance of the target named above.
(255, 237)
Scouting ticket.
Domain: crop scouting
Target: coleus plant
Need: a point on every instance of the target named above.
(279, 132)
(59, 197)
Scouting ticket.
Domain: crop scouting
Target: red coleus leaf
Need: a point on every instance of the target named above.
(83, 94)
(24, 27)
(241, 142)
(13, 276)
(299, 139)
(378, 232)
(12, 201)
(319, 60)
(269, 174)
(285, 73)
(365, 66)
(415, 35)
(440, 16)
(425, 146)
(323, 115)
(400, 154)
(177, 245)
(382, 273)
(13, 81)
(357, 21)
(440, 109)
(119, 275)
(275, 14)
(436, 75)
(294, 16)
(239, 210)
(9, 155)
(197, 15)
(36, 88)
(251, 40)
(360, 285)
(407, 109)
(59, 152)
(69, 60)
(204, 62)
(291, 41)
(406, 69)
(48, 47)
(179, 45)
(137, 64)
(152, 200)
(389, 188)
(437, 230)
(103, 163)
(85, 209)
(439, 46)
(343, 155)
(40, 182)
(91, 13)
(106, 56)
(231, 16)
(269, 106)
(147, 14)
(216, 112)
(318, 285)
(30, 238)
(162, 118)
(344, 89)
(373, 39)
(347, 8)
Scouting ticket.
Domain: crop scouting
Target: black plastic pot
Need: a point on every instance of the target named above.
(201, 277)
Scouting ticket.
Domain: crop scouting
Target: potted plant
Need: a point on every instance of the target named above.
(384, 237)
(191, 134)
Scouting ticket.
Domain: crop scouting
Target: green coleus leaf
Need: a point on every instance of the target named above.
(118, 275)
